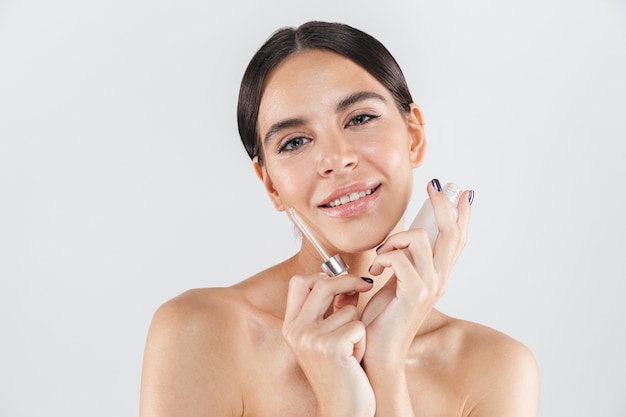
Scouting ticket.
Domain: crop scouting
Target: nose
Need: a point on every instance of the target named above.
(337, 155)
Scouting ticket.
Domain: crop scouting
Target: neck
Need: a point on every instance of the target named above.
(310, 261)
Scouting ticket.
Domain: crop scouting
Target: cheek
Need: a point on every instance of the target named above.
(392, 151)
(288, 183)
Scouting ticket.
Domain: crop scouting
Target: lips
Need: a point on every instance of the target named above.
(349, 196)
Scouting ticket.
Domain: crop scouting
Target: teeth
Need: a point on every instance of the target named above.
(349, 198)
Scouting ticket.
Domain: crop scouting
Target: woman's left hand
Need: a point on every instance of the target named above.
(420, 273)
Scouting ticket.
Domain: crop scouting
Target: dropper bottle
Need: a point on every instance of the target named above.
(425, 218)
(333, 265)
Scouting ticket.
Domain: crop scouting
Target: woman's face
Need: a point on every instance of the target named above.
(337, 149)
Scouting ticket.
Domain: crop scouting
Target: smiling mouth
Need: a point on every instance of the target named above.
(348, 198)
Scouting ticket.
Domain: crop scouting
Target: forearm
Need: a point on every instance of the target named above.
(390, 389)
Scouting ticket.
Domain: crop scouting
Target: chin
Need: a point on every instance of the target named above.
(363, 233)
(364, 239)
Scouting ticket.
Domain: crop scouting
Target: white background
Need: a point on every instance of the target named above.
(123, 182)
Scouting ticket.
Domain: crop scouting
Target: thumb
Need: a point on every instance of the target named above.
(342, 300)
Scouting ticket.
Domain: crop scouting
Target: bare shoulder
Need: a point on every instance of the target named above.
(191, 355)
(502, 371)
(202, 343)
(486, 344)
(202, 313)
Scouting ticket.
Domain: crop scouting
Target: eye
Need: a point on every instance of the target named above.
(361, 119)
(293, 144)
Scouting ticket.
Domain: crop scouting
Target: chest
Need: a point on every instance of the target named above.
(280, 388)
(277, 386)
(274, 385)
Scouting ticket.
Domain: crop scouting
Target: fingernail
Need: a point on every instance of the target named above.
(470, 197)
(379, 246)
(436, 184)
(370, 269)
(368, 280)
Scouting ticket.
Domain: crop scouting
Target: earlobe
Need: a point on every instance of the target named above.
(417, 148)
(261, 173)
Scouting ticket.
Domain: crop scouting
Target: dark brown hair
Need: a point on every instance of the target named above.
(342, 39)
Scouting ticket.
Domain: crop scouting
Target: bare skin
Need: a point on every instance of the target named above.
(290, 341)
(221, 352)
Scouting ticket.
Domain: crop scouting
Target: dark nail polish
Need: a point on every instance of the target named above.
(370, 269)
(368, 280)
(379, 246)
(436, 184)
(470, 197)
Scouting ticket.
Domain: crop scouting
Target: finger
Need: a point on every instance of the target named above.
(351, 338)
(415, 245)
(408, 280)
(444, 211)
(339, 332)
(358, 350)
(451, 237)
(411, 240)
(337, 319)
(343, 300)
(299, 289)
(324, 291)
(454, 239)
(464, 208)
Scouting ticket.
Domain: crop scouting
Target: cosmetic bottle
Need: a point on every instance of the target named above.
(333, 265)
(425, 218)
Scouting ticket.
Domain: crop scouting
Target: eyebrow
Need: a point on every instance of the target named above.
(341, 106)
(356, 97)
(282, 125)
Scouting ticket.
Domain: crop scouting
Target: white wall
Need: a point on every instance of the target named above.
(123, 183)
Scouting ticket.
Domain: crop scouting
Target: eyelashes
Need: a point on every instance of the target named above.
(361, 119)
(297, 142)
(293, 144)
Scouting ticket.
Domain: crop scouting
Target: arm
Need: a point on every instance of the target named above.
(187, 369)
(395, 315)
(507, 381)
(329, 347)
(500, 373)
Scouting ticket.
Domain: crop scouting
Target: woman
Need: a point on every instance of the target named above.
(327, 118)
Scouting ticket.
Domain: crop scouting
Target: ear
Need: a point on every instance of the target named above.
(417, 148)
(261, 172)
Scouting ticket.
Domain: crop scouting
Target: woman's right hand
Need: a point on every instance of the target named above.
(329, 347)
